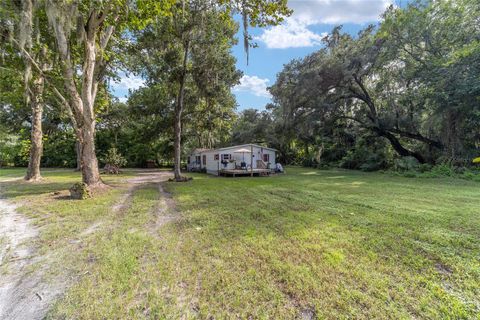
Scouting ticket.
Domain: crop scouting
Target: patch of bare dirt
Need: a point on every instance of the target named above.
(166, 211)
(25, 292)
(28, 287)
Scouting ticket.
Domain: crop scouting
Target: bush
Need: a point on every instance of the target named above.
(368, 155)
(409, 174)
(443, 170)
(424, 167)
(113, 161)
(406, 164)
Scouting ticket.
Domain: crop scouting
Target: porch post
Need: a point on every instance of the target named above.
(251, 160)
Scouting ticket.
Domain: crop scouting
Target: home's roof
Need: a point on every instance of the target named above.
(245, 145)
(200, 150)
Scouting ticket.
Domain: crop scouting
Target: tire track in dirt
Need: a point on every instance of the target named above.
(24, 292)
(165, 211)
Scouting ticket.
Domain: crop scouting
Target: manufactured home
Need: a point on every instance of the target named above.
(245, 159)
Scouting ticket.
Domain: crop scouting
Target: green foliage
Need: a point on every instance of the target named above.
(59, 149)
(406, 164)
(366, 155)
(412, 82)
(443, 170)
(114, 158)
(8, 149)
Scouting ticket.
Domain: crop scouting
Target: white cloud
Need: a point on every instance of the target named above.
(295, 32)
(123, 99)
(338, 11)
(128, 83)
(292, 34)
(253, 84)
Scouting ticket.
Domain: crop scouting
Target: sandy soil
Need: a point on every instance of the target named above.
(25, 292)
(166, 211)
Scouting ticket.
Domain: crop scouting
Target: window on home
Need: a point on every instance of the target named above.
(197, 159)
(188, 160)
(266, 157)
(226, 156)
(204, 160)
(215, 157)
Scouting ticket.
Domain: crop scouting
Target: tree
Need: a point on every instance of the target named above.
(252, 126)
(19, 29)
(83, 31)
(437, 44)
(413, 82)
(190, 50)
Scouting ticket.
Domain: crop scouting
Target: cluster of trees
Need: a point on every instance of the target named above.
(409, 87)
(57, 58)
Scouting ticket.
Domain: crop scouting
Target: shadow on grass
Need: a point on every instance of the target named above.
(11, 190)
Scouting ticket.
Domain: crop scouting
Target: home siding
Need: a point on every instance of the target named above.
(213, 166)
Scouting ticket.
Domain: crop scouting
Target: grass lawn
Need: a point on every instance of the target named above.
(311, 244)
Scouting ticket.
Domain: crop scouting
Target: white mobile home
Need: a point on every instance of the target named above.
(245, 159)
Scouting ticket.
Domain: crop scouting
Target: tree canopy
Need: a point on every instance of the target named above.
(408, 87)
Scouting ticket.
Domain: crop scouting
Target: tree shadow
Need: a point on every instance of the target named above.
(12, 190)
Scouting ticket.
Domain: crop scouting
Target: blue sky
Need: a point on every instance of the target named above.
(296, 37)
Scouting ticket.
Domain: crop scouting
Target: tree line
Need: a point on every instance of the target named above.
(57, 58)
(406, 88)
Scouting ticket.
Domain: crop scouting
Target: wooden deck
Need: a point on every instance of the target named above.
(240, 172)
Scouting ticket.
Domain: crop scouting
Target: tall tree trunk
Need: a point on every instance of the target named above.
(89, 162)
(33, 92)
(36, 149)
(178, 136)
(178, 119)
(78, 152)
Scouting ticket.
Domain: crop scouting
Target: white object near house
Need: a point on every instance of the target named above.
(245, 159)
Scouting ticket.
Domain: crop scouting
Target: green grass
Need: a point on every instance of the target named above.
(334, 244)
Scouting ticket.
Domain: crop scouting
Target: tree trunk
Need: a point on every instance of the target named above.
(33, 94)
(178, 119)
(89, 162)
(36, 149)
(78, 152)
(397, 146)
(451, 133)
(178, 133)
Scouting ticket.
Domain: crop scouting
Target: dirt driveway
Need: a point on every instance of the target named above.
(25, 291)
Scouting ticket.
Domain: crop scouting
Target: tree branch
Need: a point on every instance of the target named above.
(37, 67)
(417, 136)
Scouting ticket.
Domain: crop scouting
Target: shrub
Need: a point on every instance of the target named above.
(113, 161)
(406, 164)
(368, 154)
(409, 174)
(424, 167)
(443, 170)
